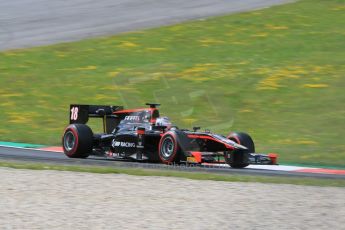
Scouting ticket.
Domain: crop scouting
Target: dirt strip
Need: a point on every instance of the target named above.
(67, 200)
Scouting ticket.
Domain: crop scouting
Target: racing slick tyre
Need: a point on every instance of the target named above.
(168, 148)
(77, 141)
(239, 157)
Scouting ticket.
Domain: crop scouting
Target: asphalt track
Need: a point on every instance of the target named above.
(39, 156)
(27, 23)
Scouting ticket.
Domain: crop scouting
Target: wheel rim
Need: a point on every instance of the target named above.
(69, 141)
(168, 147)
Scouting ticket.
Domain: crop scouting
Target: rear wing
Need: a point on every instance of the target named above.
(81, 114)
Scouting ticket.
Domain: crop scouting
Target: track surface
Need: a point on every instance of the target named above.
(39, 156)
(27, 23)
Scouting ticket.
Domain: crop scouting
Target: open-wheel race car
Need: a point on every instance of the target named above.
(142, 135)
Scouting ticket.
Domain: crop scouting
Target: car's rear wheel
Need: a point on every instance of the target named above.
(238, 158)
(168, 148)
(77, 141)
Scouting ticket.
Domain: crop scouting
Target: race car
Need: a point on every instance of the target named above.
(143, 135)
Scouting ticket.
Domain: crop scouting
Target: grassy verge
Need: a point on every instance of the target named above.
(171, 173)
(276, 73)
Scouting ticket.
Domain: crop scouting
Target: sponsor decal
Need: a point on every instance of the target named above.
(191, 160)
(132, 118)
(123, 144)
(116, 155)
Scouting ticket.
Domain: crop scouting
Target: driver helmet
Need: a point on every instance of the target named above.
(163, 121)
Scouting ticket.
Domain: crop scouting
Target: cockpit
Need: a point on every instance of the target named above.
(132, 119)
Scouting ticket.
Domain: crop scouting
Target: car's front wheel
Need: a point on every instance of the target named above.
(238, 158)
(77, 141)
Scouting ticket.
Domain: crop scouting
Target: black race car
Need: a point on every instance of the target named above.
(142, 135)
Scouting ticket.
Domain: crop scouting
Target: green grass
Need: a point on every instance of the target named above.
(179, 174)
(276, 73)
